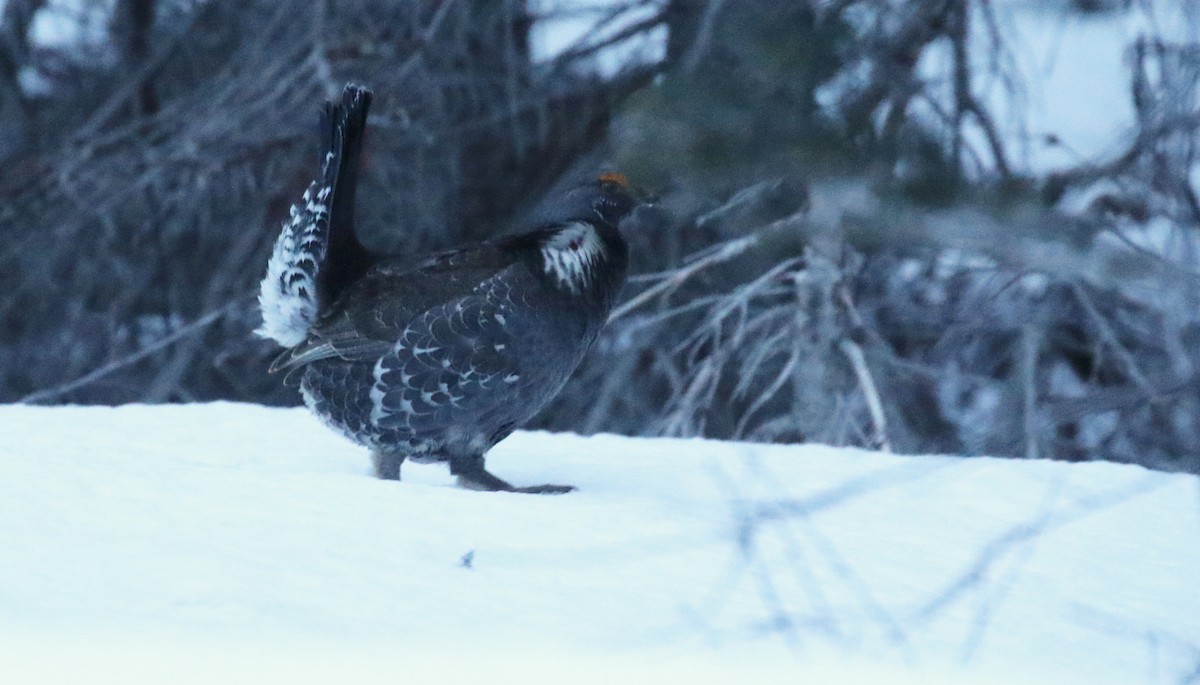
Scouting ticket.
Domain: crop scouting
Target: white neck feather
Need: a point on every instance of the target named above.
(570, 256)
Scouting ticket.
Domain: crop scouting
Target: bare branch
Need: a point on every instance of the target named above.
(197, 326)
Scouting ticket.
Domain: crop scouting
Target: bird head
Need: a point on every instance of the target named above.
(609, 197)
(578, 242)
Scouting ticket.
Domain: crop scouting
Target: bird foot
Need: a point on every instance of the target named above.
(387, 466)
(547, 489)
(485, 481)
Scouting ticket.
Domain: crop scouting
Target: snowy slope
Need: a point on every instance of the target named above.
(229, 541)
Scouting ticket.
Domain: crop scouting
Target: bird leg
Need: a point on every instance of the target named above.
(472, 476)
(387, 464)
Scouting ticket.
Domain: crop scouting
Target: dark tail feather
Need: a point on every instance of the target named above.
(343, 127)
(317, 254)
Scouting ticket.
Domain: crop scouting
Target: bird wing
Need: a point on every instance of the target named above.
(375, 311)
(456, 364)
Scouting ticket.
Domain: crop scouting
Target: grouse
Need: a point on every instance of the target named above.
(437, 358)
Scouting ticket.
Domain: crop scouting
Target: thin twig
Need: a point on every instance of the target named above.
(1030, 342)
(854, 353)
(699, 262)
(1110, 337)
(703, 36)
(190, 329)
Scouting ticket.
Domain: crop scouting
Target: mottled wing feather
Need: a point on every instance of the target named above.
(452, 365)
(336, 338)
(376, 310)
(396, 292)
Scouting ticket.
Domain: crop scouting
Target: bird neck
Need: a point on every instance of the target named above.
(584, 259)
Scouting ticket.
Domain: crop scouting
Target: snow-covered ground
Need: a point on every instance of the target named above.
(229, 542)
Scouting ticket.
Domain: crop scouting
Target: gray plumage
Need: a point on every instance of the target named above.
(438, 359)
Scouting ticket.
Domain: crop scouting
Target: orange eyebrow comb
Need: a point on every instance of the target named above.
(614, 177)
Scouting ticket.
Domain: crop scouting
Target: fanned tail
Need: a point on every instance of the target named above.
(317, 252)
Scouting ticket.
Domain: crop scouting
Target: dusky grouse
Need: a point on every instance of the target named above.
(437, 358)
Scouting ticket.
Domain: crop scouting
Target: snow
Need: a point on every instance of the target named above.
(66, 32)
(1075, 81)
(71, 24)
(228, 541)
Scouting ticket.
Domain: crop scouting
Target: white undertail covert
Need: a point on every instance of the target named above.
(288, 293)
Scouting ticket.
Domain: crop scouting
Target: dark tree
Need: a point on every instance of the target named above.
(846, 249)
